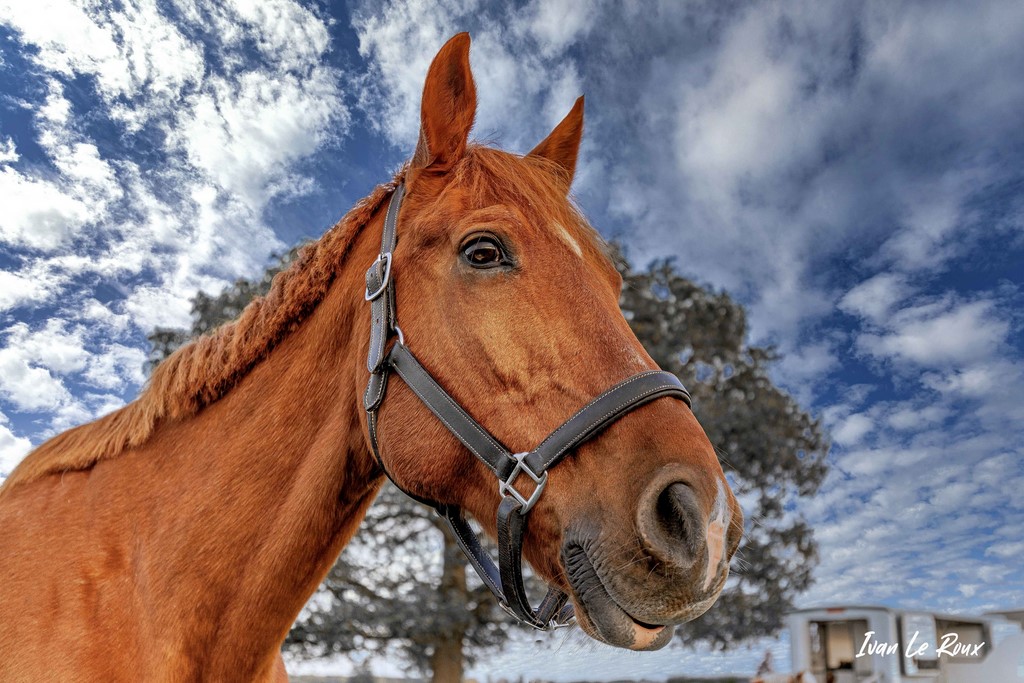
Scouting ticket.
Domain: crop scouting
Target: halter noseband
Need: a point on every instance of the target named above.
(506, 579)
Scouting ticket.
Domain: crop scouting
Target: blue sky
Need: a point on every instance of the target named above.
(852, 172)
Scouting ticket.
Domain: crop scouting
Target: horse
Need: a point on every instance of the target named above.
(178, 537)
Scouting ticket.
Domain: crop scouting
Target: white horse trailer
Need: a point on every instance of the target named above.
(851, 644)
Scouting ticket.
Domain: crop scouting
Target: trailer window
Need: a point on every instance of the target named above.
(834, 646)
(965, 634)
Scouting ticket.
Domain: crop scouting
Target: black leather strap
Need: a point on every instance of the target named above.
(506, 579)
(460, 423)
(511, 527)
(626, 396)
(379, 291)
(470, 544)
(510, 590)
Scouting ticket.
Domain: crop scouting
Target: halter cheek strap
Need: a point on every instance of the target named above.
(511, 469)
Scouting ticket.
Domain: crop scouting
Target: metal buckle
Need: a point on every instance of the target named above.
(555, 625)
(506, 488)
(550, 626)
(386, 257)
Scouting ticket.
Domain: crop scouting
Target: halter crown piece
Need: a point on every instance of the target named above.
(506, 579)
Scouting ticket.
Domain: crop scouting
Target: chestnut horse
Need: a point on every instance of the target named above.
(177, 539)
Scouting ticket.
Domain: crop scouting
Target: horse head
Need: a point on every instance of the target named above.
(509, 300)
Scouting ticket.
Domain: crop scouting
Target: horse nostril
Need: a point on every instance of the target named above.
(673, 529)
(672, 510)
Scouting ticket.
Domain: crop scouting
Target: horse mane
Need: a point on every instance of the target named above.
(203, 371)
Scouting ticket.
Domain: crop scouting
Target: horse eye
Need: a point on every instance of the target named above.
(484, 252)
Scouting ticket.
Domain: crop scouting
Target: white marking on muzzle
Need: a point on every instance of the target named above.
(717, 527)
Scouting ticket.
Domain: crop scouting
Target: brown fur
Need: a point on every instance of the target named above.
(178, 538)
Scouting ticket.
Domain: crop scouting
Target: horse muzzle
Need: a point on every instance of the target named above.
(632, 592)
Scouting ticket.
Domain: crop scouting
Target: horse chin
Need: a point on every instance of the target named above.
(600, 616)
(612, 625)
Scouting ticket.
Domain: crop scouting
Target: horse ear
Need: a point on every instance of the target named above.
(562, 145)
(448, 108)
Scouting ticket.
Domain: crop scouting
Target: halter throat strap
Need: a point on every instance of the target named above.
(521, 476)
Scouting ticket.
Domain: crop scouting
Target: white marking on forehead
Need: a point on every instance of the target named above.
(720, 514)
(567, 238)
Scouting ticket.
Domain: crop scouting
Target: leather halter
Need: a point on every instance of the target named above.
(506, 579)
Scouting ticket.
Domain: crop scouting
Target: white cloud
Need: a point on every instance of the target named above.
(931, 214)
(976, 380)
(753, 145)
(557, 24)
(28, 387)
(191, 218)
(802, 369)
(919, 514)
(131, 51)
(875, 297)
(38, 365)
(37, 212)
(937, 334)
(743, 120)
(240, 129)
(1008, 550)
(285, 31)
(54, 346)
(35, 283)
(12, 448)
(102, 404)
(46, 212)
(852, 429)
(81, 162)
(8, 151)
(992, 384)
(930, 495)
(244, 132)
(910, 418)
(69, 40)
(106, 320)
(399, 42)
(116, 366)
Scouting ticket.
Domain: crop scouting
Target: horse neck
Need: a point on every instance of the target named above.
(261, 490)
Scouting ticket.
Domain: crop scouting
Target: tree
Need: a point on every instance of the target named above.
(402, 582)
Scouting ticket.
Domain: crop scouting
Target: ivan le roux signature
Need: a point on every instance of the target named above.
(949, 646)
